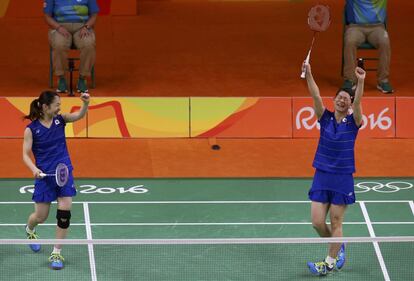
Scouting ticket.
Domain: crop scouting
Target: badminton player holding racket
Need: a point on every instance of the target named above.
(45, 138)
(333, 184)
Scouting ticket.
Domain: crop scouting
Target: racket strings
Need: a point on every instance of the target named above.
(62, 174)
(319, 18)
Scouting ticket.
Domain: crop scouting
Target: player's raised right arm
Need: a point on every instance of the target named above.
(75, 116)
(314, 92)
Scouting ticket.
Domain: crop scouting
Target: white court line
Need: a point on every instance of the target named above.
(411, 206)
(204, 202)
(89, 237)
(376, 245)
(208, 223)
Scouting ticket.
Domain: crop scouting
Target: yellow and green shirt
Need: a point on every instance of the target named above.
(365, 11)
(70, 10)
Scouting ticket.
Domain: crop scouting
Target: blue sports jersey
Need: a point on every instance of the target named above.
(70, 10)
(335, 153)
(49, 145)
(366, 11)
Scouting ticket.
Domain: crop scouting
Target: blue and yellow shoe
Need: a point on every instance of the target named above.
(56, 261)
(319, 268)
(340, 259)
(33, 236)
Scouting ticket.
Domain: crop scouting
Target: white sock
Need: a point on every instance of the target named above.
(56, 250)
(330, 261)
(28, 230)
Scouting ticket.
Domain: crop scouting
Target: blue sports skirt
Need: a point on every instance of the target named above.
(332, 188)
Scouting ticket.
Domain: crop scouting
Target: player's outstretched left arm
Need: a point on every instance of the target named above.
(75, 116)
(356, 106)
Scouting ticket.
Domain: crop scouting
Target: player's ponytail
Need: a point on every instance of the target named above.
(35, 110)
(36, 106)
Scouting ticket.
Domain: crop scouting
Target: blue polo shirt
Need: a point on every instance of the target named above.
(365, 11)
(335, 153)
(49, 145)
(70, 10)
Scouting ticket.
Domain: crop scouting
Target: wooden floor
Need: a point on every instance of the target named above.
(126, 158)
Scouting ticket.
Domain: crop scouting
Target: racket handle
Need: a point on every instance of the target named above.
(42, 175)
(303, 74)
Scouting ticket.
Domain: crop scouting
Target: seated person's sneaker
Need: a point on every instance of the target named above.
(319, 268)
(82, 86)
(348, 84)
(385, 87)
(62, 86)
(32, 236)
(340, 259)
(56, 261)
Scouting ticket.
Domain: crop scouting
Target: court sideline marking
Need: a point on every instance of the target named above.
(412, 206)
(376, 245)
(90, 246)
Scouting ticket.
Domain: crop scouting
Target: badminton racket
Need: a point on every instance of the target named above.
(319, 19)
(61, 174)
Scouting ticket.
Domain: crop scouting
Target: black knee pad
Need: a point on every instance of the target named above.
(63, 218)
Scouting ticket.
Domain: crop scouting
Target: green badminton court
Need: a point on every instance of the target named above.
(207, 209)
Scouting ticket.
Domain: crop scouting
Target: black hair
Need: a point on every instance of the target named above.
(36, 106)
(350, 91)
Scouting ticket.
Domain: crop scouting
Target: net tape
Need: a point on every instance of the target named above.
(210, 241)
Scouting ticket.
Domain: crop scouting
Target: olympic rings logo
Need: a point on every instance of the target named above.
(388, 187)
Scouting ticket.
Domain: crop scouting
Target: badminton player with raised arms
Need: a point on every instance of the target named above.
(333, 183)
(45, 138)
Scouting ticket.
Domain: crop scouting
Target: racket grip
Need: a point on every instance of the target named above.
(303, 74)
(42, 175)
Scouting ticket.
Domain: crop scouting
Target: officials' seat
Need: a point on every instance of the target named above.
(364, 46)
(72, 66)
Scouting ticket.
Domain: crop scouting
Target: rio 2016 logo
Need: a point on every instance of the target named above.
(93, 189)
(306, 118)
